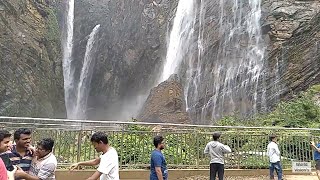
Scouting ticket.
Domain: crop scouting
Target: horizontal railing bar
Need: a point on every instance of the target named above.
(151, 124)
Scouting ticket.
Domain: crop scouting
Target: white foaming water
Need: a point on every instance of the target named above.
(68, 70)
(83, 88)
(180, 36)
(230, 79)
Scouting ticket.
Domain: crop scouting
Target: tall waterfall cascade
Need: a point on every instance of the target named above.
(83, 88)
(226, 79)
(68, 69)
(76, 91)
(180, 36)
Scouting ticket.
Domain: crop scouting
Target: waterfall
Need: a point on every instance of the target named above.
(229, 79)
(83, 88)
(76, 95)
(68, 70)
(180, 36)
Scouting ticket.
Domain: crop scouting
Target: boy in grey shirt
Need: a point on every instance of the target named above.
(216, 150)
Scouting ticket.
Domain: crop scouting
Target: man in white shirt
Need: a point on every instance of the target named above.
(108, 162)
(274, 157)
(43, 165)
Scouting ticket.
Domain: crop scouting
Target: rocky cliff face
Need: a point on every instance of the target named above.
(290, 33)
(30, 60)
(131, 45)
(293, 38)
(132, 48)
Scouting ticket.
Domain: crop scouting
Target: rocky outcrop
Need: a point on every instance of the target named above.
(30, 60)
(166, 103)
(294, 54)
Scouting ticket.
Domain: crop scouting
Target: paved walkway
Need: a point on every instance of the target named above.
(301, 177)
(287, 177)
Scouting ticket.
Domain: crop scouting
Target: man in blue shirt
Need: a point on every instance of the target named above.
(316, 157)
(158, 162)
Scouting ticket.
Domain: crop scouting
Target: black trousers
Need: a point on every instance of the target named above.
(216, 168)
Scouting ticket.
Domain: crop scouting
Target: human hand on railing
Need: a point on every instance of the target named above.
(73, 166)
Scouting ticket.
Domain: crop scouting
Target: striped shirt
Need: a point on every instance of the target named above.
(23, 162)
(44, 168)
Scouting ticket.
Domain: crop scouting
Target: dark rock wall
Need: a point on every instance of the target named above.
(131, 46)
(31, 81)
(293, 53)
(290, 31)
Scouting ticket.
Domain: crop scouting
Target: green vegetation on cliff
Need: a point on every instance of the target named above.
(302, 111)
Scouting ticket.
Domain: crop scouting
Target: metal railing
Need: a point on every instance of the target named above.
(184, 143)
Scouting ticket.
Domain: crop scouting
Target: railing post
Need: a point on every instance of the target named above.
(79, 144)
(198, 149)
(238, 148)
(121, 149)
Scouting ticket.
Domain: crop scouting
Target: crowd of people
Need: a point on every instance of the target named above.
(21, 161)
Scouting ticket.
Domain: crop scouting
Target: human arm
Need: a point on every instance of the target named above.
(23, 175)
(226, 149)
(157, 160)
(95, 176)
(206, 149)
(46, 171)
(93, 162)
(276, 150)
(159, 173)
(313, 145)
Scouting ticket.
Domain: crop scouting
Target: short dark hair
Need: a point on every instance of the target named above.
(99, 137)
(4, 134)
(271, 137)
(46, 143)
(216, 136)
(18, 132)
(157, 140)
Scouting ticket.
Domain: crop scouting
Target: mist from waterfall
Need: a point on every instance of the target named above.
(68, 69)
(180, 37)
(83, 88)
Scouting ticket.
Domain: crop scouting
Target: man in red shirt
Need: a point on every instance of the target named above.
(4, 145)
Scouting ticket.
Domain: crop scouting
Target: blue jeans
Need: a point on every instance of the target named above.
(275, 166)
